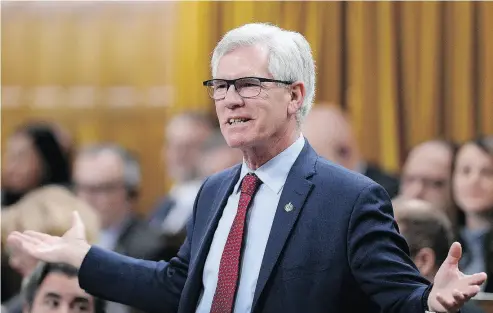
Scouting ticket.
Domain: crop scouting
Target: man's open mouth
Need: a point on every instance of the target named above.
(235, 121)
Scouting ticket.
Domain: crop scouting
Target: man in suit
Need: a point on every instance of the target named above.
(329, 132)
(315, 238)
(185, 134)
(107, 177)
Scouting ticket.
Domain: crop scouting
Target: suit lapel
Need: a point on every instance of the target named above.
(198, 261)
(291, 203)
(122, 243)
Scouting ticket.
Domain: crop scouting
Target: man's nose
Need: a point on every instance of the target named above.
(63, 308)
(416, 190)
(232, 98)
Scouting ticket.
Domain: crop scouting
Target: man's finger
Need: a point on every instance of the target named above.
(14, 240)
(31, 240)
(78, 225)
(459, 297)
(476, 279)
(454, 254)
(36, 251)
(448, 304)
(37, 235)
(471, 291)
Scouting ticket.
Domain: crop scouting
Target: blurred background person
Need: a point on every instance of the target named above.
(427, 175)
(216, 155)
(33, 157)
(108, 177)
(54, 288)
(428, 233)
(47, 209)
(329, 132)
(185, 135)
(473, 192)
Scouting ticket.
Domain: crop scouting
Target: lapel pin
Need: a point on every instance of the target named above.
(289, 207)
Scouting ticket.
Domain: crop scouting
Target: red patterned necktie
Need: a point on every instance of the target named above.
(229, 267)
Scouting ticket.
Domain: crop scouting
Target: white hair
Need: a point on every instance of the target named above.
(290, 56)
(131, 167)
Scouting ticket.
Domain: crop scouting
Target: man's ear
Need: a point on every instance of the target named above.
(297, 95)
(425, 261)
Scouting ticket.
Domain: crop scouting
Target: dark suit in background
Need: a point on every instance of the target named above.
(388, 182)
(488, 254)
(138, 240)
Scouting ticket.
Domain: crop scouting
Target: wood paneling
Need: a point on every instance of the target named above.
(103, 70)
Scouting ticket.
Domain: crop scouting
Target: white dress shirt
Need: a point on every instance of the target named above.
(184, 196)
(260, 216)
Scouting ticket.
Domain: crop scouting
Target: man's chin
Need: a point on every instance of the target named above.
(236, 140)
(236, 144)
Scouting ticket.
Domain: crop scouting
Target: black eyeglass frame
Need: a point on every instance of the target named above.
(230, 82)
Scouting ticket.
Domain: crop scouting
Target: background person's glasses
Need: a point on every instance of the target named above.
(246, 87)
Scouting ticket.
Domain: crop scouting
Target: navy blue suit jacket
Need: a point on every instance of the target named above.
(339, 250)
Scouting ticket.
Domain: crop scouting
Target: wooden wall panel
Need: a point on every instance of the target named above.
(102, 70)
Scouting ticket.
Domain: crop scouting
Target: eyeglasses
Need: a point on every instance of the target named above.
(247, 87)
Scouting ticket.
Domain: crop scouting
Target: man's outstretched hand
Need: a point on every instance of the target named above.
(452, 288)
(71, 248)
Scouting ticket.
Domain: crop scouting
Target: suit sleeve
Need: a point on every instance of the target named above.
(146, 285)
(379, 256)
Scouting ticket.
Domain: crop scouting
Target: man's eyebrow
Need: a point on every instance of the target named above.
(81, 300)
(52, 295)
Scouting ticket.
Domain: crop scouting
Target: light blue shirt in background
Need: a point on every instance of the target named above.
(260, 216)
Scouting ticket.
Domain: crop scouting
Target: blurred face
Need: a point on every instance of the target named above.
(330, 136)
(22, 168)
(99, 181)
(427, 175)
(264, 119)
(473, 179)
(59, 293)
(184, 138)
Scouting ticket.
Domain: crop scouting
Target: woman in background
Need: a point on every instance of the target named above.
(47, 209)
(35, 156)
(473, 192)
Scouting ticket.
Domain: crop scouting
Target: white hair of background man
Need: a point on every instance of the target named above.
(290, 56)
(131, 168)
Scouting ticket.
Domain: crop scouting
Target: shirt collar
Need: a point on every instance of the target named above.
(116, 230)
(361, 167)
(474, 235)
(275, 172)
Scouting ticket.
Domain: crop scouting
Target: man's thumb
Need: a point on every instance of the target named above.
(78, 228)
(454, 254)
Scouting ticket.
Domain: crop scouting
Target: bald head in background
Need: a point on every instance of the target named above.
(427, 175)
(329, 131)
